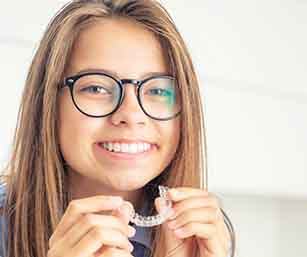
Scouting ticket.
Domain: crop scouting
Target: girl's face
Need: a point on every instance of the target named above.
(130, 51)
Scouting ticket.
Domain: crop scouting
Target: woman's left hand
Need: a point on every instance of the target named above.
(197, 223)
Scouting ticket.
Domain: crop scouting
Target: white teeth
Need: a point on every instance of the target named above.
(141, 147)
(126, 148)
(133, 148)
(146, 146)
(110, 146)
(116, 147)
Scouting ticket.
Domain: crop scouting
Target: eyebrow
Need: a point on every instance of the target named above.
(114, 73)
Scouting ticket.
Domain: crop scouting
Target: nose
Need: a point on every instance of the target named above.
(129, 112)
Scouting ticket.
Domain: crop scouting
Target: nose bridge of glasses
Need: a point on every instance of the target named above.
(134, 82)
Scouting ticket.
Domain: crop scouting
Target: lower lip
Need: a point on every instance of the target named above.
(124, 156)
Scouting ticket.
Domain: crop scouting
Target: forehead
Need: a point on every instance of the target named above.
(119, 45)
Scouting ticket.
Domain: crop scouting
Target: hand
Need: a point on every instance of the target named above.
(82, 233)
(197, 226)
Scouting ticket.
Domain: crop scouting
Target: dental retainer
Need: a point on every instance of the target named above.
(150, 221)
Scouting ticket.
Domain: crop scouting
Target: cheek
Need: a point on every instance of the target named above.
(73, 129)
(171, 137)
(67, 119)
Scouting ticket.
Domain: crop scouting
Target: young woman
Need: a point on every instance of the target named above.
(111, 109)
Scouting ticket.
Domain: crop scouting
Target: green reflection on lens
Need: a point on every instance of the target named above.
(171, 98)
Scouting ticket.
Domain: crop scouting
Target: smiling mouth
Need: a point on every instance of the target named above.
(126, 148)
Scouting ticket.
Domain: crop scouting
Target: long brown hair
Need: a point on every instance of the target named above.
(36, 178)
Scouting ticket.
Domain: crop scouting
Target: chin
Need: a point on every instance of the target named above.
(127, 183)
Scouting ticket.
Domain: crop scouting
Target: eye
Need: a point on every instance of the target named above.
(160, 92)
(95, 89)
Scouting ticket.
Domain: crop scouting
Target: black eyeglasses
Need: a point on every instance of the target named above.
(98, 94)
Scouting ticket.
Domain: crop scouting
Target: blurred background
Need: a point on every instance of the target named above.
(251, 59)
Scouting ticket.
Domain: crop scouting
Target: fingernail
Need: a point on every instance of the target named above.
(126, 208)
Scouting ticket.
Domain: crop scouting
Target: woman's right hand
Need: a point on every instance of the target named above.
(83, 233)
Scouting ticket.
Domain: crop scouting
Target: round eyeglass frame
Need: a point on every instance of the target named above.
(71, 80)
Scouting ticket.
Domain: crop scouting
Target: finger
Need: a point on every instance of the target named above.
(160, 204)
(200, 215)
(206, 234)
(225, 245)
(111, 251)
(98, 237)
(124, 212)
(212, 247)
(213, 215)
(88, 222)
(193, 203)
(205, 231)
(205, 201)
(181, 193)
(76, 208)
(171, 241)
(216, 245)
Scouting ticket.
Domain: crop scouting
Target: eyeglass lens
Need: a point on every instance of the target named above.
(99, 95)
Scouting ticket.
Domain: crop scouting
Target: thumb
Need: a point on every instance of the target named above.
(124, 212)
(171, 240)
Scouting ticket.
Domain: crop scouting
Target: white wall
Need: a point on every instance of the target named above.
(268, 227)
(251, 59)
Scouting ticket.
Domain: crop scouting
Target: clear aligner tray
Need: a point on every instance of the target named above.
(154, 220)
